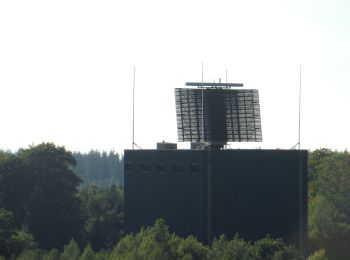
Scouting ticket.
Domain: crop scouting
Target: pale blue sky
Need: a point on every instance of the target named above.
(66, 68)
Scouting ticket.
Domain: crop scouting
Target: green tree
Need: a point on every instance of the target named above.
(33, 254)
(7, 228)
(100, 168)
(103, 255)
(53, 254)
(265, 248)
(157, 242)
(318, 255)
(88, 253)
(103, 213)
(53, 204)
(191, 248)
(15, 186)
(329, 203)
(268, 248)
(39, 185)
(225, 249)
(71, 251)
(20, 241)
(12, 240)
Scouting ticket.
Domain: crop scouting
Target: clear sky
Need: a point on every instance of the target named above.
(66, 68)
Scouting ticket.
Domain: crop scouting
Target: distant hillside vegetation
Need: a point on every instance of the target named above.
(100, 168)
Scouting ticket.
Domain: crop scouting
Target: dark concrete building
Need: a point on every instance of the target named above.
(209, 190)
(207, 193)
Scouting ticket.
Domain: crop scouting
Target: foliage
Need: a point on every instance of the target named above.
(7, 228)
(100, 168)
(103, 214)
(158, 243)
(20, 241)
(15, 186)
(103, 255)
(225, 249)
(190, 248)
(40, 201)
(266, 248)
(39, 185)
(53, 204)
(318, 255)
(88, 253)
(70, 251)
(33, 254)
(53, 254)
(12, 240)
(329, 202)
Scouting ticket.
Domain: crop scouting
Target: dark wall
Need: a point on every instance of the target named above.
(209, 193)
(165, 184)
(259, 192)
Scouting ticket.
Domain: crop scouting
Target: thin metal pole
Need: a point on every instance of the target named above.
(202, 74)
(133, 112)
(299, 106)
(202, 107)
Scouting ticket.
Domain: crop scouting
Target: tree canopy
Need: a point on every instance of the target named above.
(46, 213)
(39, 185)
(329, 202)
(103, 213)
(100, 168)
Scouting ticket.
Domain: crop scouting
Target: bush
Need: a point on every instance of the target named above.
(53, 254)
(70, 251)
(318, 255)
(88, 253)
(268, 248)
(157, 243)
(224, 249)
(33, 254)
(12, 240)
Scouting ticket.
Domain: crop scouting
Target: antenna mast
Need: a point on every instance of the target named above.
(299, 105)
(203, 138)
(133, 112)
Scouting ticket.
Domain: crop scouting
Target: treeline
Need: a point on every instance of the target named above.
(157, 242)
(42, 206)
(100, 168)
(329, 202)
(46, 213)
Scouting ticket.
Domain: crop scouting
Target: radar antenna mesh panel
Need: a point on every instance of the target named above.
(229, 115)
